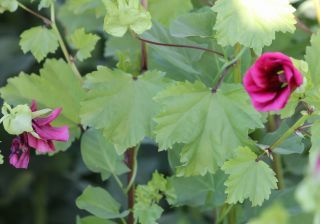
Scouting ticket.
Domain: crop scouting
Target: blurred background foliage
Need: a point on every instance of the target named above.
(46, 192)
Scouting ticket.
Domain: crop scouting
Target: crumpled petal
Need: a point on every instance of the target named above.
(271, 80)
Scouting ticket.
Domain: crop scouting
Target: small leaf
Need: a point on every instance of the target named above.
(40, 41)
(84, 43)
(146, 210)
(8, 5)
(100, 203)
(124, 15)
(114, 103)
(100, 156)
(248, 178)
(252, 23)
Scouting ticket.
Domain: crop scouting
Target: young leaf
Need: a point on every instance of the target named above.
(84, 43)
(46, 90)
(122, 105)
(252, 23)
(8, 5)
(146, 210)
(248, 178)
(210, 125)
(125, 15)
(100, 156)
(100, 203)
(40, 41)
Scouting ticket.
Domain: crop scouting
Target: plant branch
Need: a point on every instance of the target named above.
(224, 71)
(180, 46)
(287, 134)
(63, 47)
(44, 19)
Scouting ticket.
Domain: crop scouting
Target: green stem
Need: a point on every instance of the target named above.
(290, 131)
(277, 166)
(44, 19)
(238, 75)
(63, 46)
(225, 213)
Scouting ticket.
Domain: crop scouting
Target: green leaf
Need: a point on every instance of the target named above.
(100, 203)
(84, 43)
(100, 156)
(195, 24)
(40, 41)
(146, 210)
(8, 5)
(93, 220)
(248, 178)
(124, 15)
(210, 125)
(273, 214)
(252, 23)
(181, 63)
(122, 105)
(312, 58)
(199, 190)
(165, 11)
(86, 6)
(46, 90)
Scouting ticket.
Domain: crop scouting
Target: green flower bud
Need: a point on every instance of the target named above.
(17, 120)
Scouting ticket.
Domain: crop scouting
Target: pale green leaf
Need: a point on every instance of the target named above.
(198, 24)
(100, 156)
(274, 214)
(100, 203)
(40, 41)
(248, 178)
(93, 220)
(211, 125)
(84, 43)
(45, 4)
(124, 15)
(164, 11)
(122, 105)
(8, 5)
(146, 210)
(252, 23)
(55, 87)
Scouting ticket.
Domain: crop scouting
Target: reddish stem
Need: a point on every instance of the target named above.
(181, 46)
(130, 162)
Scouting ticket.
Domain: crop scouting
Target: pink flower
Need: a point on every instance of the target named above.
(271, 80)
(20, 152)
(43, 143)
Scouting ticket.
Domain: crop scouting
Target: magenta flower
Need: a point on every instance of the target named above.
(41, 140)
(271, 80)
